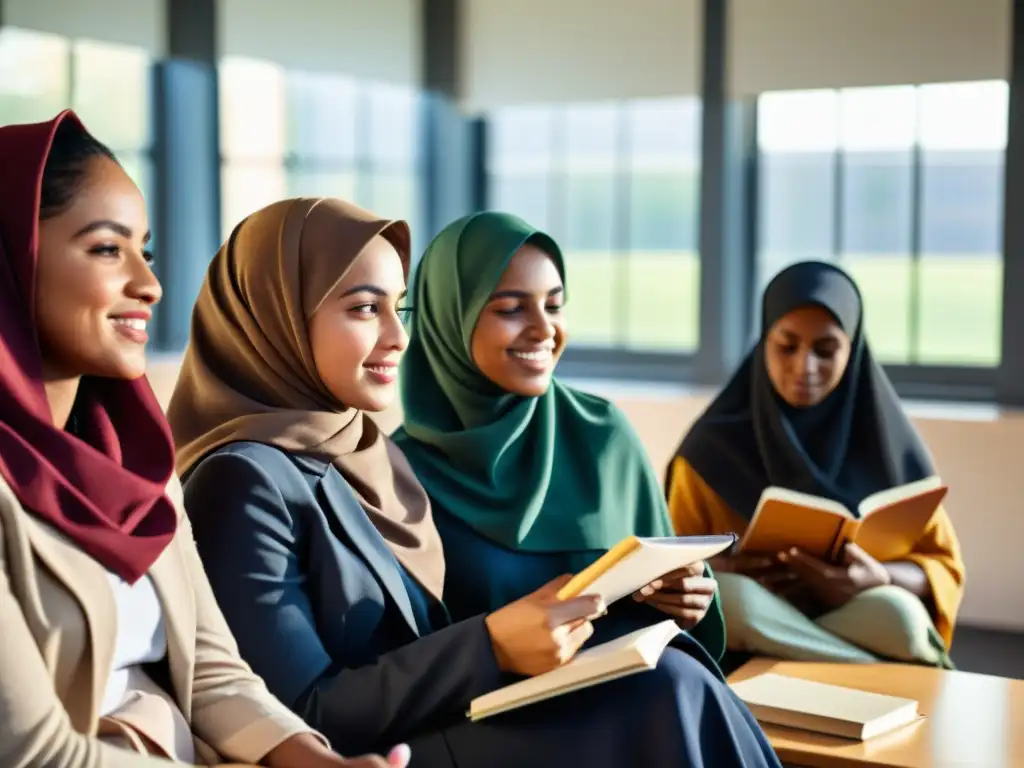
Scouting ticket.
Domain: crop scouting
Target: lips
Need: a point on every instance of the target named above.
(536, 355)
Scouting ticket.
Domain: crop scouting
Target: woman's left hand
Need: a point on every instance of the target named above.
(834, 585)
(685, 594)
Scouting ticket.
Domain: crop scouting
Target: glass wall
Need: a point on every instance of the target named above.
(287, 133)
(617, 185)
(901, 190)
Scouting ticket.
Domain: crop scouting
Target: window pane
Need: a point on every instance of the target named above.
(960, 304)
(520, 139)
(252, 109)
(111, 92)
(307, 182)
(663, 286)
(394, 125)
(588, 233)
(798, 133)
(877, 210)
(525, 195)
(321, 116)
(247, 188)
(34, 76)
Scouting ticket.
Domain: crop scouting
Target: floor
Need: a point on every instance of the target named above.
(989, 652)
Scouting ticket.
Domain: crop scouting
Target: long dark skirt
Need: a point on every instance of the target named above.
(677, 716)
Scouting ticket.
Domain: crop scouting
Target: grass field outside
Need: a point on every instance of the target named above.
(650, 301)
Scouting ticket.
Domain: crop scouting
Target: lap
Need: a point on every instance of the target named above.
(679, 714)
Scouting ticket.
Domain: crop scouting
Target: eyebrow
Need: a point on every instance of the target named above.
(523, 294)
(120, 229)
(367, 288)
(793, 336)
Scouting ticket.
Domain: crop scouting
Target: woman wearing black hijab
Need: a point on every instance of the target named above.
(809, 409)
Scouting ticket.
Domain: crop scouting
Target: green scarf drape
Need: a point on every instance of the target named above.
(557, 473)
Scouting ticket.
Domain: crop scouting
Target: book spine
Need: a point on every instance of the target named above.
(846, 532)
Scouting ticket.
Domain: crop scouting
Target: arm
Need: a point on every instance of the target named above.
(250, 541)
(35, 731)
(935, 572)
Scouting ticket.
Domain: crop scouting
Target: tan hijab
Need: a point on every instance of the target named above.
(249, 373)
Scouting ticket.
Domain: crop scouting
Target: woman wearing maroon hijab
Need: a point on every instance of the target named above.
(112, 649)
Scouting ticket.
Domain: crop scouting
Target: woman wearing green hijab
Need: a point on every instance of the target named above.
(529, 478)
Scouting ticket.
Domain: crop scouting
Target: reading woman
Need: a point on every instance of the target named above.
(113, 653)
(529, 478)
(321, 545)
(810, 410)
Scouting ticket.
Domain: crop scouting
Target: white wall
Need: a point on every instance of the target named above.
(373, 39)
(531, 51)
(794, 44)
(130, 22)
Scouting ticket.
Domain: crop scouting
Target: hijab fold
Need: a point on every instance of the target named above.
(557, 473)
(249, 372)
(103, 488)
(856, 442)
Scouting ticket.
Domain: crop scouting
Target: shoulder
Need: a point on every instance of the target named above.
(253, 460)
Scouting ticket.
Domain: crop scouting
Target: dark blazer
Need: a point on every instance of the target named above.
(323, 611)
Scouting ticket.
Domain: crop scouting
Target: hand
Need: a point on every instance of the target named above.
(306, 751)
(766, 569)
(836, 585)
(684, 594)
(539, 632)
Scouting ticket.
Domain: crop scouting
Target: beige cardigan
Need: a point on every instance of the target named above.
(57, 636)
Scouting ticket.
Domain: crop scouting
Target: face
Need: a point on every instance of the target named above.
(357, 334)
(94, 286)
(806, 353)
(521, 332)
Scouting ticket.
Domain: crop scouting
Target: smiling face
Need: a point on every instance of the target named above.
(356, 334)
(94, 286)
(521, 332)
(806, 353)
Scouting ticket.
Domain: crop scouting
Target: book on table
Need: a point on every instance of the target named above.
(824, 708)
(887, 524)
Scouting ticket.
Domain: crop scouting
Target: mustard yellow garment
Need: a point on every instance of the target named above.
(696, 509)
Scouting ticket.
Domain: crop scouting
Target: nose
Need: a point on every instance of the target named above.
(143, 284)
(393, 334)
(807, 365)
(541, 328)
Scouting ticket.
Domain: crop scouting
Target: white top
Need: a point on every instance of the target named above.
(141, 637)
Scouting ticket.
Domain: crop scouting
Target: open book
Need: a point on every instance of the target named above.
(636, 652)
(887, 523)
(635, 562)
(824, 708)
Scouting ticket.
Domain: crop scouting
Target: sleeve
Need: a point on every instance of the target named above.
(937, 553)
(36, 731)
(694, 507)
(251, 545)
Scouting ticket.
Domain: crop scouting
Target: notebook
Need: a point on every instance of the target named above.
(887, 524)
(627, 655)
(635, 562)
(824, 708)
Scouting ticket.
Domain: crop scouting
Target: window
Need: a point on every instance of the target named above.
(288, 134)
(106, 84)
(617, 185)
(896, 187)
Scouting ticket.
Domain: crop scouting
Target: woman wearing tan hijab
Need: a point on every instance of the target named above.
(320, 544)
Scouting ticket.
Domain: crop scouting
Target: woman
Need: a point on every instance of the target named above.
(321, 545)
(112, 649)
(809, 409)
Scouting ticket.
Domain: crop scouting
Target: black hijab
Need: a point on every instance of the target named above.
(854, 443)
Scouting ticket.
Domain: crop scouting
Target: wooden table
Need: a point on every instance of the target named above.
(971, 720)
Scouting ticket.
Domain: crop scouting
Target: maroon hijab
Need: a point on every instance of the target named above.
(104, 489)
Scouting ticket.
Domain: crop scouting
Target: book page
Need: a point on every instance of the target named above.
(892, 529)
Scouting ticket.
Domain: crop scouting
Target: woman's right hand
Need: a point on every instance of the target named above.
(539, 632)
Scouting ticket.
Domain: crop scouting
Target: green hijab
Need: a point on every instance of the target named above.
(561, 472)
